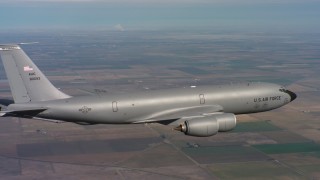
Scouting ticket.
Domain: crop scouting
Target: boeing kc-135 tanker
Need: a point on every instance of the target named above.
(198, 111)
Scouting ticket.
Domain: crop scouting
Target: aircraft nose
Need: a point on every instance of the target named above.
(292, 95)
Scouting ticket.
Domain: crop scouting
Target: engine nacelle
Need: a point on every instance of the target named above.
(208, 125)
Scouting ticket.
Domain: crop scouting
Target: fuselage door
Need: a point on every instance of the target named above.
(202, 99)
(114, 106)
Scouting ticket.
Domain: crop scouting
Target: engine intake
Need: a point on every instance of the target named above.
(208, 125)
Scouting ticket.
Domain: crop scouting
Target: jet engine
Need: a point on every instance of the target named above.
(208, 125)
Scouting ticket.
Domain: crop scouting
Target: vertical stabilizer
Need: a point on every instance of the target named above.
(26, 81)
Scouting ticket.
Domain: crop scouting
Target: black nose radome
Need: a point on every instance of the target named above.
(292, 95)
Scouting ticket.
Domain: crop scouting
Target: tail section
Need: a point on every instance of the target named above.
(26, 81)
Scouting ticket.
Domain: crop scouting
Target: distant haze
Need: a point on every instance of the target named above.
(253, 15)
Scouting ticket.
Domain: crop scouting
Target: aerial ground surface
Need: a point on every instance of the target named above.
(280, 144)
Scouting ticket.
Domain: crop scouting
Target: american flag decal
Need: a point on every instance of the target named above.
(27, 68)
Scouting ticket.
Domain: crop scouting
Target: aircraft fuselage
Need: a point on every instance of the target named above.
(134, 107)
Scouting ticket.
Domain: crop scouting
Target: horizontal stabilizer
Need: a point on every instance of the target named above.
(23, 112)
(49, 120)
(6, 102)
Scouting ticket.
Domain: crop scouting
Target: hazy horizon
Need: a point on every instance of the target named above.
(291, 16)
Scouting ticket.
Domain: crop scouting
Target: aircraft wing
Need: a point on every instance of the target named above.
(94, 91)
(179, 113)
(22, 112)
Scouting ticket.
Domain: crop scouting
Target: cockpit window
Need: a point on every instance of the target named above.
(282, 90)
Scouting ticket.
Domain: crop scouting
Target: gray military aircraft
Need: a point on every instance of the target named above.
(197, 111)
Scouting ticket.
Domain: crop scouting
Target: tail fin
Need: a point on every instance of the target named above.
(26, 81)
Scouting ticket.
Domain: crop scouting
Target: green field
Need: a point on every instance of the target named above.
(283, 137)
(191, 70)
(254, 170)
(217, 154)
(255, 127)
(288, 148)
